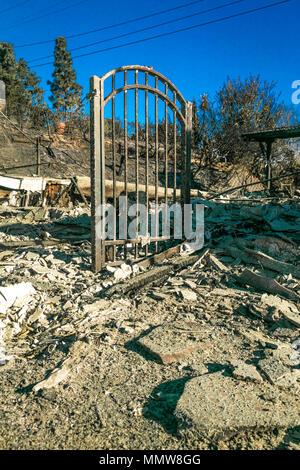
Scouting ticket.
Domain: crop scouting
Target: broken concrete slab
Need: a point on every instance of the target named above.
(287, 309)
(217, 405)
(277, 302)
(38, 269)
(188, 294)
(172, 342)
(273, 369)
(245, 371)
(263, 340)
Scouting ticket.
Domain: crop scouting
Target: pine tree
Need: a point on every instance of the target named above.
(29, 94)
(23, 92)
(8, 73)
(66, 93)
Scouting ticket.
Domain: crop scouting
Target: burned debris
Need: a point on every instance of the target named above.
(233, 304)
(191, 342)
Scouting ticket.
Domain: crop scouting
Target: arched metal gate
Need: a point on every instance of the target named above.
(165, 142)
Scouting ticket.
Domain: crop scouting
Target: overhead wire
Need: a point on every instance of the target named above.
(30, 19)
(115, 25)
(209, 10)
(188, 28)
(13, 7)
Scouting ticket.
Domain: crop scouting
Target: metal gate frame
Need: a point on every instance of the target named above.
(97, 106)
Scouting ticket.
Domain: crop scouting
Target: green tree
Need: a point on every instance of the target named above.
(23, 92)
(8, 73)
(66, 94)
(30, 96)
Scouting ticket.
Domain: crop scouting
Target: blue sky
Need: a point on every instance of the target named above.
(196, 61)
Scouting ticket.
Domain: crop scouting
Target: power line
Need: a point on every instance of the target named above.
(219, 20)
(46, 14)
(14, 6)
(139, 18)
(38, 11)
(144, 29)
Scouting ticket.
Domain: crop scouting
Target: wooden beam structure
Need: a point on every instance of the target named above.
(268, 137)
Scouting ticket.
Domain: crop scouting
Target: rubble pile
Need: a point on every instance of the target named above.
(195, 348)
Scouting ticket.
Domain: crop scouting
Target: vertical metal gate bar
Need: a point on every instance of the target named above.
(136, 161)
(126, 158)
(146, 161)
(156, 165)
(114, 169)
(102, 173)
(175, 152)
(95, 172)
(183, 162)
(166, 155)
(189, 119)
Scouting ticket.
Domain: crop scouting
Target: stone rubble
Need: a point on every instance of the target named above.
(233, 343)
